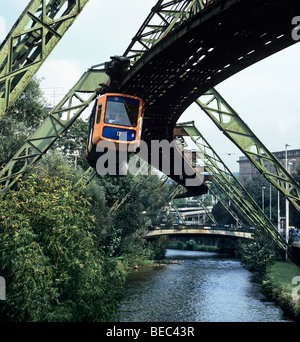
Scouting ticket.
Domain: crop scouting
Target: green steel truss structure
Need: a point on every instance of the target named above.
(208, 213)
(164, 17)
(234, 128)
(228, 184)
(35, 34)
(226, 206)
(170, 13)
(60, 119)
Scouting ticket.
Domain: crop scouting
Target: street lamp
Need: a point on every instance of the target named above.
(263, 198)
(287, 223)
(287, 203)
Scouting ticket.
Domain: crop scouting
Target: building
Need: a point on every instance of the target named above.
(247, 169)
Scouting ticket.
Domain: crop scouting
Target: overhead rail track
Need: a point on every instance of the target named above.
(214, 44)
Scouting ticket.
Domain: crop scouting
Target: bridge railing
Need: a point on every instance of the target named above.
(233, 228)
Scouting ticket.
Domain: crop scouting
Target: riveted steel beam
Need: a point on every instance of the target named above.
(207, 211)
(163, 18)
(59, 120)
(35, 34)
(234, 128)
(226, 206)
(229, 184)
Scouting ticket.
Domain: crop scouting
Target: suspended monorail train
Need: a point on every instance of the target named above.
(115, 118)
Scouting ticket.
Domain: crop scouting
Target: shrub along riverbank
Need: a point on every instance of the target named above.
(278, 286)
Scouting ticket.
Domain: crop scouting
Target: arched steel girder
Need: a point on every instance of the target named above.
(213, 47)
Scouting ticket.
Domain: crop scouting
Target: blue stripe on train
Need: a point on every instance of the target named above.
(118, 134)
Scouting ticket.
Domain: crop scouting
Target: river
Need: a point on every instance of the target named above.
(205, 287)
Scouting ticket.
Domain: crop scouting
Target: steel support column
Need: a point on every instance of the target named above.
(234, 128)
(59, 120)
(222, 176)
(35, 34)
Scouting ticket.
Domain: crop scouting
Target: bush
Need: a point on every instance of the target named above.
(48, 256)
(191, 245)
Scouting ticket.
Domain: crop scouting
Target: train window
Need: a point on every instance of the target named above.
(122, 111)
(99, 114)
(91, 122)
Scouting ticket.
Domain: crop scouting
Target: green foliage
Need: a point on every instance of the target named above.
(145, 197)
(278, 286)
(48, 255)
(191, 245)
(73, 142)
(257, 254)
(22, 119)
(61, 244)
(222, 215)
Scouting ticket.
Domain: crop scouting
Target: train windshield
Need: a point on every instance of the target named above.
(122, 111)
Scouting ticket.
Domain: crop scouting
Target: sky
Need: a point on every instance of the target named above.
(266, 95)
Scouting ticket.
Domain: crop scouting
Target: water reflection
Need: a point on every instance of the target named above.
(207, 287)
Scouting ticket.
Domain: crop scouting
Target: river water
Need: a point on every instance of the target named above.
(206, 287)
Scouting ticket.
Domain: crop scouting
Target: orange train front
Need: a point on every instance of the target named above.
(115, 118)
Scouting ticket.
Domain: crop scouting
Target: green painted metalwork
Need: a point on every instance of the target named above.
(87, 177)
(207, 211)
(170, 14)
(234, 128)
(59, 120)
(35, 34)
(165, 16)
(226, 206)
(229, 185)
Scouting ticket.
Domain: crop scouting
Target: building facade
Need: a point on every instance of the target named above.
(247, 170)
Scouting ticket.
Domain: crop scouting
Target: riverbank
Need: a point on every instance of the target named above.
(277, 286)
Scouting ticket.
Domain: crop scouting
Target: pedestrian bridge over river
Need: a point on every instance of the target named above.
(202, 230)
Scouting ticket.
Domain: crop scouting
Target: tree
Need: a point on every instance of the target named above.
(73, 143)
(222, 215)
(48, 255)
(22, 119)
(257, 254)
(255, 186)
(145, 197)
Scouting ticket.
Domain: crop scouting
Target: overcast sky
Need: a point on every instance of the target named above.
(266, 95)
